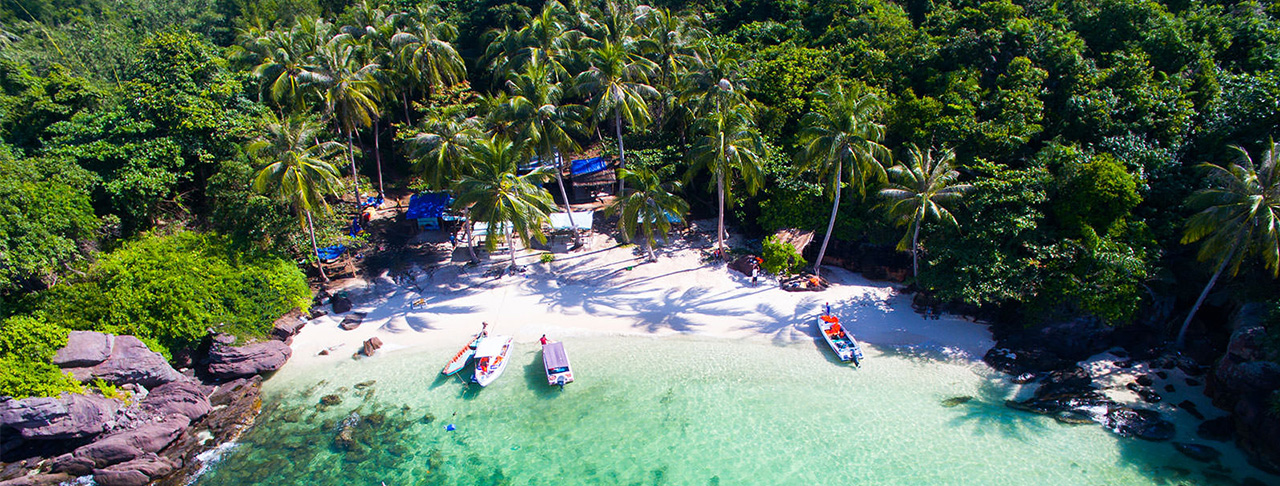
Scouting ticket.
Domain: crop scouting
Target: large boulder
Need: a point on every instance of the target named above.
(288, 325)
(70, 416)
(371, 345)
(84, 348)
(39, 480)
(237, 361)
(128, 445)
(130, 362)
(182, 397)
(136, 472)
(340, 303)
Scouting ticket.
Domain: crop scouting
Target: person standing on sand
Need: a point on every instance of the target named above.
(543, 340)
(484, 329)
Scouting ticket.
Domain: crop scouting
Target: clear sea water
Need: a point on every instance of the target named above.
(676, 411)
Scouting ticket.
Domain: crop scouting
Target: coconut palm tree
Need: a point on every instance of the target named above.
(279, 59)
(349, 90)
(497, 195)
(618, 84)
(374, 29)
(548, 125)
(299, 169)
(730, 144)
(840, 139)
(920, 190)
(1239, 217)
(424, 48)
(439, 151)
(647, 206)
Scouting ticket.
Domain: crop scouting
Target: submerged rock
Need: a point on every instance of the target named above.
(1220, 429)
(954, 401)
(1202, 453)
(1143, 424)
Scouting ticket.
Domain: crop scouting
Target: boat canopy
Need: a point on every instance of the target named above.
(553, 356)
(491, 346)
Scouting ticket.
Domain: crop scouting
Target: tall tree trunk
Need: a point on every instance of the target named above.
(648, 246)
(355, 174)
(471, 239)
(315, 250)
(622, 151)
(831, 223)
(511, 250)
(407, 121)
(915, 247)
(577, 240)
(377, 154)
(720, 220)
(1182, 333)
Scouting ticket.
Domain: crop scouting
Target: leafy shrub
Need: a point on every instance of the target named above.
(547, 258)
(781, 258)
(108, 390)
(169, 290)
(27, 344)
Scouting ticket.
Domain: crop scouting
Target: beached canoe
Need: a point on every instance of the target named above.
(843, 343)
(556, 362)
(460, 360)
(491, 359)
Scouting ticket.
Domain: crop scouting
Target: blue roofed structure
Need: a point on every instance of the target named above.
(427, 208)
(588, 166)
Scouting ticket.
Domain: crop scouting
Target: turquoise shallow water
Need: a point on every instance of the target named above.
(674, 410)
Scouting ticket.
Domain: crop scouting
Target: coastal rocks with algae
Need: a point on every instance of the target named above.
(145, 436)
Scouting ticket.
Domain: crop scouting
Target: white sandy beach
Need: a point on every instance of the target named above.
(609, 289)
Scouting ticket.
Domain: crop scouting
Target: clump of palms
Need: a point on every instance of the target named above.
(547, 124)
(617, 82)
(299, 170)
(648, 206)
(496, 194)
(1239, 217)
(919, 191)
(730, 145)
(841, 138)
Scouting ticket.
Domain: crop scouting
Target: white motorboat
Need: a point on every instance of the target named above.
(843, 343)
(491, 358)
(556, 362)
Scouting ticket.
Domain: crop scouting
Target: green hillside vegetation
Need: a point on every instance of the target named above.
(1078, 131)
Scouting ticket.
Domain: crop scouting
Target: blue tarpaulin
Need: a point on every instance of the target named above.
(427, 205)
(375, 201)
(329, 253)
(589, 166)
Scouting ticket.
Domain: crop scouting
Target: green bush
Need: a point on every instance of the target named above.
(169, 290)
(26, 346)
(781, 258)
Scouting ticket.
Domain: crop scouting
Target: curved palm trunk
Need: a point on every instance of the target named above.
(471, 240)
(511, 250)
(831, 224)
(355, 175)
(377, 154)
(915, 246)
(622, 151)
(315, 249)
(1182, 333)
(720, 220)
(577, 239)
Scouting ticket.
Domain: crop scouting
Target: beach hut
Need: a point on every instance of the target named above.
(592, 179)
(427, 209)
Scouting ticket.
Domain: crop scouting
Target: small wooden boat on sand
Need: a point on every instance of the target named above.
(460, 360)
(843, 343)
(491, 359)
(556, 362)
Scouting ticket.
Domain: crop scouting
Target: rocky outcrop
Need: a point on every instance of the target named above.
(288, 325)
(130, 362)
(1048, 347)
(121, 446)
(352, 321)
(186, 398)
(371, 345)
(227, 361)
(235, 405)
(39, 480)
(84, 348)
(70, 416)
(136, 472)
(340, 304)
(1243, 381)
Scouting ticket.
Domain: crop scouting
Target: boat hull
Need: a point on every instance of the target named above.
(463, 356)
(489, 368)
(842, 343)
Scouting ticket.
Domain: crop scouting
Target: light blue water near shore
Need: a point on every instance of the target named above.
(679, 411)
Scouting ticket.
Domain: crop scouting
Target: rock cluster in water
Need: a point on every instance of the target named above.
(155, 432)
